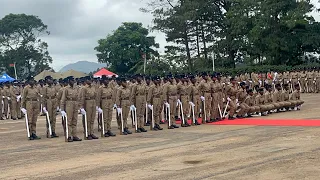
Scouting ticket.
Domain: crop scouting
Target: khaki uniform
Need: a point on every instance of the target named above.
(15, 103)
(50, 101)
(317, 76)
(261, 101)
(277, 99)
(123, 101)
(6, 107)
(105, 100)
(88, 95)
(216, 100)
(30, 101)
(231, 92)
(253, 107)
(311, 85)
(285, 99)
(184, 93)
(138, 99)
(69, 104)
(295, 98)
(244, 107)
(195, 98)
(205, 89)
(155, 98)
(303, 80)
(170, 95)
(41, 90)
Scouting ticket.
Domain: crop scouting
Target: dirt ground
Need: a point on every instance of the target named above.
(202, 152)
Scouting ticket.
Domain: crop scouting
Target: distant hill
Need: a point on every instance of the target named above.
(83, 66)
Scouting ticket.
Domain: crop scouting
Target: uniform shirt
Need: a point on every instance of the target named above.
(68, 94)
(232, 91)
(295, 95)
(169, 90)
(242, 95)
(105, 93)
(30, 94)
(260, 99)
(87, 93)
(122, 94)
(50, 93)
(14, 92)
(154, 92)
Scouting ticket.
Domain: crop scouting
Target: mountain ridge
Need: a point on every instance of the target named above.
(83, 66)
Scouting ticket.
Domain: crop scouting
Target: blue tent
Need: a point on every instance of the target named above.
(6, 78)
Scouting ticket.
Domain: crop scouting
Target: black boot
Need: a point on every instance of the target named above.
(138, 130)
(175, 126)
(70, 139)
(89, 137)
(111, 134)
(54, 135)
(94, 137)
(155, 128)
(158, 127)
(127, 130)
(148, 123)
(76, 139)
(35, 137)
(143, 130)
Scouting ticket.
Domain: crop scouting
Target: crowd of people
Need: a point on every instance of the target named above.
(152, 100)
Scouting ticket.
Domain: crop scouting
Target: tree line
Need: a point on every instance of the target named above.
(21, 45)
(235, 33)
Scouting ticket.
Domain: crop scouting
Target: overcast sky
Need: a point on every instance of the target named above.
(76, 25)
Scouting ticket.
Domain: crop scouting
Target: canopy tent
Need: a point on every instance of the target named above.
(105, 72)
(6, 78)
(45, 73)
(75, 74)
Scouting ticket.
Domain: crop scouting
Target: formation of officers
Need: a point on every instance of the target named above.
(211, 96)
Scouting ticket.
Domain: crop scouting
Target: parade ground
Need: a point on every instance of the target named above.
(202, 152)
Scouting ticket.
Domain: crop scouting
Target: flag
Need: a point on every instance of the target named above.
(11, 65)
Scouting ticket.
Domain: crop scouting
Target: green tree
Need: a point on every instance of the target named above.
(124, 49)
(20, 43)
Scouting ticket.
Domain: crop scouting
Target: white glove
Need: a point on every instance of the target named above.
(167, 104)
(119, 110)
(41, 95)
(223, 99)
(202, 98)
(19, 97)
(290, 80)
(238, 104)
(150, 106)
(97, 108)
(100, 111)
(83, 112)
(115, 106)
(191, 104)
(250, 81)
(228, 99)
(237, 100)
(179, 101)
(23, 110)
(44, 109)
(298, 79)
(63, 113)
(287, 81)
(132, 107)
(8, 98)
(260, 82)
(306, 79)
(223, 83)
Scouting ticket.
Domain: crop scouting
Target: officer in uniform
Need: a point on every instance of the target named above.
(155, 98)
(50, 103)
(231, 92)
(123, 101)
(15, 94)
(69, 106)
(105, 101)
(170, 94)
(30, 105)
(88, 96)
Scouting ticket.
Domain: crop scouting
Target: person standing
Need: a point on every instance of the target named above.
(6, 99)
(170, 96)
(50, 103)
(138, 99)
(87, 98)
(30, 105)
(154, 98)
(69, 106)
(15, 96)
(105, 101)
(123, 101)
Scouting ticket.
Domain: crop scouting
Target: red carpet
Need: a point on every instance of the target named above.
(265, 122)
(269, 122)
